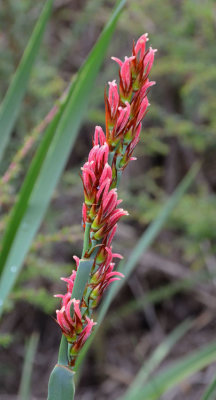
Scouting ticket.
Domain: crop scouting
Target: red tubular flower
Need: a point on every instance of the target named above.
(71, 326)
(124, 114)
(92, 171)
(140, 46)
(125, 106)
(83, 336)
(125, 77)
(103, 276)
(99, 136)
(113, 98)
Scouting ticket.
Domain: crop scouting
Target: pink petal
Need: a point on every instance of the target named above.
(117, 60)
(141, 44)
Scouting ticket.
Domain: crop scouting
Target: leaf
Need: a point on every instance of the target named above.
(177, 373)
(61, 383)
(10, 106)
(81, 279)
(210, 392)
(145, 241)
(155, 360)
(49, 163)
(24, 390)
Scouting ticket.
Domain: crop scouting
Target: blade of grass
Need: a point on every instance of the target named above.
(210, 392)
(49, 163)
(177, 373)
(156, 359)
(10, 105)
(145, 241)
(25, 384)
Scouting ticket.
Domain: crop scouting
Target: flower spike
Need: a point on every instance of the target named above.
(126, 104)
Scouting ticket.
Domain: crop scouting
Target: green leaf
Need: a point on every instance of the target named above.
(145, 241)
(155, 360)
(61, 384)
(24, 390)
(81, 279)
(177, 373)
(10, 106)
(210, 392)
(49, 163)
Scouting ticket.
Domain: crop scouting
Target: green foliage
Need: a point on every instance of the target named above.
(25, 384)
(48, 165)
(157, 357)
(210, 391)
(11, 103)
(179, 129)
(177, 372)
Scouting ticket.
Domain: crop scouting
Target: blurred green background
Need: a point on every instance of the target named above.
(178, 130)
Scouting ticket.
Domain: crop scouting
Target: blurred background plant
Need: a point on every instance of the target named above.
(171, 282)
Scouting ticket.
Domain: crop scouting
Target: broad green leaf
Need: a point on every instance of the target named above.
(25, 384)
(177, 373)
(210, 392)
(10, 106)
(48, 164)
(155, 360)
(145, 241)
(61, 383)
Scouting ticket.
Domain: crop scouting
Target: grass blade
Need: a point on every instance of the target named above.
(49, 163)
(13, 98)
(24, 390)
(210, 392)
(156, 359)
(145, 241)
(177, 373)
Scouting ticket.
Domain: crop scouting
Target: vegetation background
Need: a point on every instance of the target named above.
(178, 130)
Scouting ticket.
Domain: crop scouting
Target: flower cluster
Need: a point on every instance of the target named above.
(125, 107)
(76, 328)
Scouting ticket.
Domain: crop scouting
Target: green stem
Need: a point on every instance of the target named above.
(86, 238)
(119, 174)
(110, 158)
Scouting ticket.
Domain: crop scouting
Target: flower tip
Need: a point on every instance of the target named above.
(117, 60)
(112, 83)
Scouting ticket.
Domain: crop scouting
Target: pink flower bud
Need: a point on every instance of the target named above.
(145, 87)
(84, 214)
(103, 188)
(99, 136)
(116, 215)
(124, 114)
(84, 335)
(106, 174)
(142, 110)
(141, 45)
(125, 71)
(113, 98)
(148, 60)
